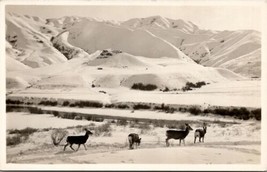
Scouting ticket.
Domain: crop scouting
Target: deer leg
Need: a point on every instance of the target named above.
(84, 146)
(203, 139)
(66, 146)
(199, 139)
(184, 141)
(167, 142)
(71, 147)
(179, 142)
(78, 147)
(195, 139)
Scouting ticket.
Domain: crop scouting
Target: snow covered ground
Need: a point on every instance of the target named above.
(229, 93)
(224, 144)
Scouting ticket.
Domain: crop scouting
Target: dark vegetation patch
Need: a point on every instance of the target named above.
(190, 85)
(165, 108)
(145, 87)
(19, 136)
(141, 106)
(27, 105)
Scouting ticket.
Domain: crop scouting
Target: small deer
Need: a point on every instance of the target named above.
(134, 138)
(78, 140)
(201, 133)
(177, 134)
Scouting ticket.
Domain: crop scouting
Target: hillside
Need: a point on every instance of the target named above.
(40, 42)
(210, 48)
(29, 38)
(78, 52)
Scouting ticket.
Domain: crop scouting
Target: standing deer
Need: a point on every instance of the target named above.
(78, 140)
(134, 138)
(177, 134)
(201, 133)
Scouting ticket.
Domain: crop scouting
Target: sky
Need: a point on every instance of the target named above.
(224, 17)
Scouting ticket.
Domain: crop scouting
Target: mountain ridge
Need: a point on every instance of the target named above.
(163, 36)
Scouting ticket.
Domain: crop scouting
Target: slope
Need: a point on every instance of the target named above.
(92, 36)
(31, 40)
(209, 48)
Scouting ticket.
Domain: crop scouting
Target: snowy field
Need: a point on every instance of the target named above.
(225, 143)
(228, 140)
(230, 93)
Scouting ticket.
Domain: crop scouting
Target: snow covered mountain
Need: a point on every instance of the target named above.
(235, 50)
(74, 51)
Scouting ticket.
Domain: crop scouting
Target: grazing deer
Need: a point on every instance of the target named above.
(201, 133)
(78, 140)
(134, 138)
(177, 134)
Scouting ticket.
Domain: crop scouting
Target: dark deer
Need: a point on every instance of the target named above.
(134, 138)
(177, 134)
(78, 140)
(201, 133)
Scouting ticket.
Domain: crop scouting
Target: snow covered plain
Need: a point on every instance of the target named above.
(225, 143)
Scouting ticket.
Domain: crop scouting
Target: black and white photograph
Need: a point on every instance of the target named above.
(152, 84)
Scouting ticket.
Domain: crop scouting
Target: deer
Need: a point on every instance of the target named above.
(177, 134)
(78, 140)
(134, 138)
(201, 133)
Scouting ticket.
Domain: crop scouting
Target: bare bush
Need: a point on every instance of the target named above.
(58, 135)
(104, 130)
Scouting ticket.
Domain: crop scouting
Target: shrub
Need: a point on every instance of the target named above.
(143, 126)
(200, 84)
(20, 135)
(159, 123)
(48, 103)
(141, 86)
(190, 85)
(157, 108)
(91, 104)
(88, 117)
(98, 119)
(105, 128)
(123, 106)
(256, 114)
(141, 106)
(67, 115)
(9, 101)
(234, 112)
(166, 89)
(186, 88)
(244, 113)
(35, 110)
(206, 111)
(23, 132)
(122, 122)
(223, 112)
(15, 140)
(72, 105)
(109, 106)
(194, 110)
(66, 103)
(58, 135)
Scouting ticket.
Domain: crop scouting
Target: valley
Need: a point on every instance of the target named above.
(144, 76)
